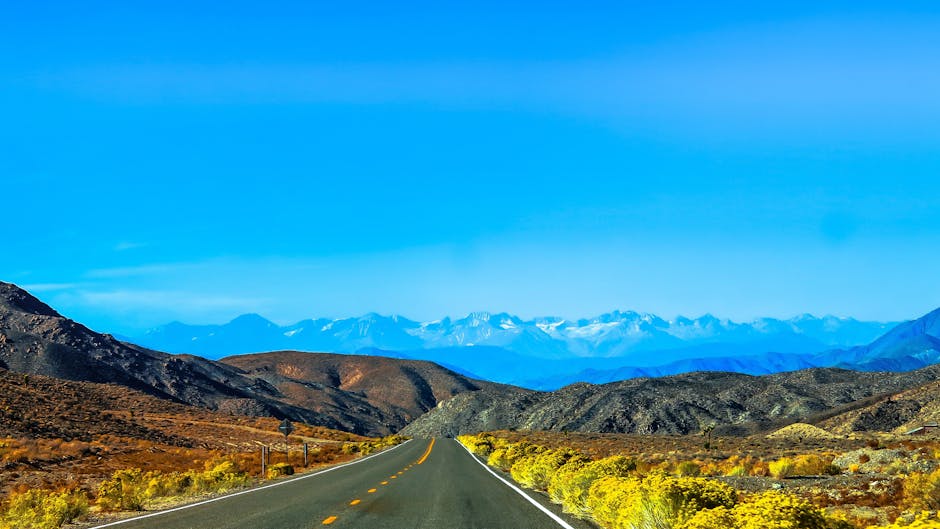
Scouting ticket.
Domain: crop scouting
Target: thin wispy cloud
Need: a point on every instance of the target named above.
(128, 245)
(49, 287)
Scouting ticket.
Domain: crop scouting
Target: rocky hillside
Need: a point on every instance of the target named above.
(35, 339)
(363, 393)
(679, 404)
(897, 413)
(34, 406)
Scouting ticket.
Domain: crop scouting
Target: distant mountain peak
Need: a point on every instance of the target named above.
(252, 319)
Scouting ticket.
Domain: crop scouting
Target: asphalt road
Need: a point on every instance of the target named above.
(433, 484)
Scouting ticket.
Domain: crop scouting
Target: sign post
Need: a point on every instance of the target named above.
(264, 461)
(286, 428)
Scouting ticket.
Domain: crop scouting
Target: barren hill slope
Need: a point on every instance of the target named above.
(897, 413)
(365, 393)
(35, 339)
(679, 404)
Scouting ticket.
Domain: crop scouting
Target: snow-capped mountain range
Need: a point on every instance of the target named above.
(503, 347)
(612, 335)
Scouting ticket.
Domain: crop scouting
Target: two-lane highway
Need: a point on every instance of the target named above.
(433, 484)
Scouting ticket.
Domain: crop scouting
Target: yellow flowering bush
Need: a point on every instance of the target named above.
(777, 510)
(536, 470)
(126, 490)
(719, 517)
(505, 458)
(769, 510)
(569, 486)
(132, 489)
(42, 509)
(922, 491)
(655, 502)
(481, 445)
(782, 468)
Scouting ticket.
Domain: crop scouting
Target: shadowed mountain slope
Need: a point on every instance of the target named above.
(679, 404)
(317, 389)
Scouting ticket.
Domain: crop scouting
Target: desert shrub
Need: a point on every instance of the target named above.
(688, 469)
(655, 502)
(481, 445)
(536, 470)
(505, 458)
(280, 469)
(922, 491)
(570, 485)
(126, 490)
(563, 482)
(737, 470)
(811, 465)
(219, 476)
(776, 510)
(769, 510)
(717, 518)
(760, 468)
(42, 509)
(782, 468)
(924, 521)
(369, 447)
(608, 497)
(497, 458)
(132, 489)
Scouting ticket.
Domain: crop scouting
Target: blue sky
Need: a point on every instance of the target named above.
(168, 160)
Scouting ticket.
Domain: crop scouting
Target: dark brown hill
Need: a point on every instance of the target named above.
(35, 339)
(365, 393)
(680, 404)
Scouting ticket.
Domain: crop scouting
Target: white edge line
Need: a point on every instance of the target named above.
(249, 491)
(522, 493)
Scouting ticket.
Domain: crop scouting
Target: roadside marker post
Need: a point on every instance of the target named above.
(286, 428)
(264, 461)
(306, 451)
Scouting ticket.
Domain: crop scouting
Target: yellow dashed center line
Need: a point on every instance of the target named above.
(426, 452)
(357, 501)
